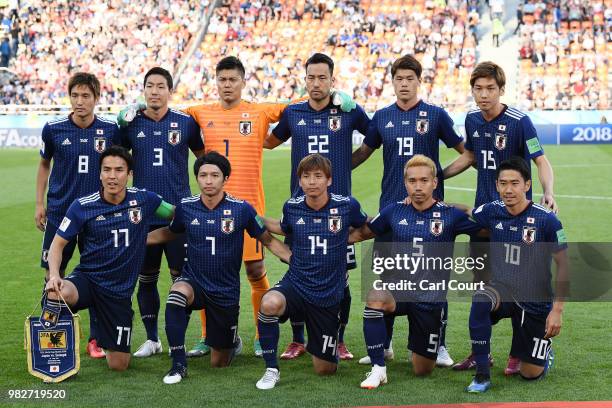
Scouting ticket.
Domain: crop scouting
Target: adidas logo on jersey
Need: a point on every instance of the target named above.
(302, 122)
(389, 125)
(403, 222)
(66, 142)
(140, 134)
(100, 218)
(300, 221)
(499, 226)
(475, 134)
(195, 222)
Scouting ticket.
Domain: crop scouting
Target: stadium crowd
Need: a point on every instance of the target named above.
(117, 40)
(565, 49)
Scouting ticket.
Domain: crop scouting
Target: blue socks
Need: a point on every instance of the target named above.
(375, 334)
(480, 331)
(148, 303)
(176, 325)
(269, 333)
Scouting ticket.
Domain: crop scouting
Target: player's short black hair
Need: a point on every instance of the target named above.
(216, 159)
(231, 63)
(118, 151)
(516, 163)
(319, 58)
(162, 72)
(87, 79)
(407, 62)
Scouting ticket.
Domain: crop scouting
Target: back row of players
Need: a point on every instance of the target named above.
(316, 219)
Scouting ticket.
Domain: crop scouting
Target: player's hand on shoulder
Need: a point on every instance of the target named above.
(407, 201)
(344, 100)
(127, 114)
(40, 217)
(548, 200)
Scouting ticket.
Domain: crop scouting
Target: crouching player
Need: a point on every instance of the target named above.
(525, 237)
(214, 224)
(112, 225)
(419, 224)
(313, 287)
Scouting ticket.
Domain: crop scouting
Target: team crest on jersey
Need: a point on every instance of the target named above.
(135, 215)
(245, 127)
(227, 225)
(436, 227)
(335, 224)
(500, 141)
(174, 137)
(422, 126)
(99, 144)
(529, 235)
(335, 123)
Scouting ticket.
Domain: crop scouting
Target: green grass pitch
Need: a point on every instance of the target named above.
(583, 365)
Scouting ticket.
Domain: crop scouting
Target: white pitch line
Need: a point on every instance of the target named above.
(580, 197)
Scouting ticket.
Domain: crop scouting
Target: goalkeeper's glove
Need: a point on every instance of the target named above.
(344, 100)
(127, 114)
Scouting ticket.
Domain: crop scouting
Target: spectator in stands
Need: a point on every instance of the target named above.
(5, 52)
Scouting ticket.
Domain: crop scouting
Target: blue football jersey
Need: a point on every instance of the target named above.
(438, 224)
(510, 134)
(328, 132)
(403, 134)
(75, 153)
(113, 238)
(161, 153)
(214, 243)
(319, 240)
(521, 251)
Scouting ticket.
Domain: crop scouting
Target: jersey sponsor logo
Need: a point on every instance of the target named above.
(513, 229)
(302, 122)
(335, 224)
(66, 142)
(173, 124)
(45, 255)
(487, 134)
(300, 221)
(529, 234)
(422, 126)
(135, 215)
(84, 140)
(227, 225)
(405, 122)
(99, 131)
(210, 221)
(389, 125)
(157, 133)
(317, 121)
(499, 226)
(403, 222)
(500, 141)
(140, 134)
(100, 218)
(118, 214)
(475, 134)
(530, 220)
(65, 223)
(436, 227)
(245, 127)
(195, 222)
(317, 220)
(502, 128)
(335, 123)
(420, 222)
(99, 144)
(174, 137)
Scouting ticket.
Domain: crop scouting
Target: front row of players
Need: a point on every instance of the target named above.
(113, 225)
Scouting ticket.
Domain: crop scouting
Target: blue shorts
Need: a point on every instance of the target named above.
(67, 253)
(322, 323)
(424, 328)
(114, 316)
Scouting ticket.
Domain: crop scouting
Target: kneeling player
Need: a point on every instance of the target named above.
(214, 223)
(524, 238)
(112, 225)
(313, 287)
(424, 220)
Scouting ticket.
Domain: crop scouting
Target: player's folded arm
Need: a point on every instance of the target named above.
(278, 248)
(362, 233)
(273, 226)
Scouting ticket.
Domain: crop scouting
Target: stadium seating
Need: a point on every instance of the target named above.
(116, 40)
(565, 53)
